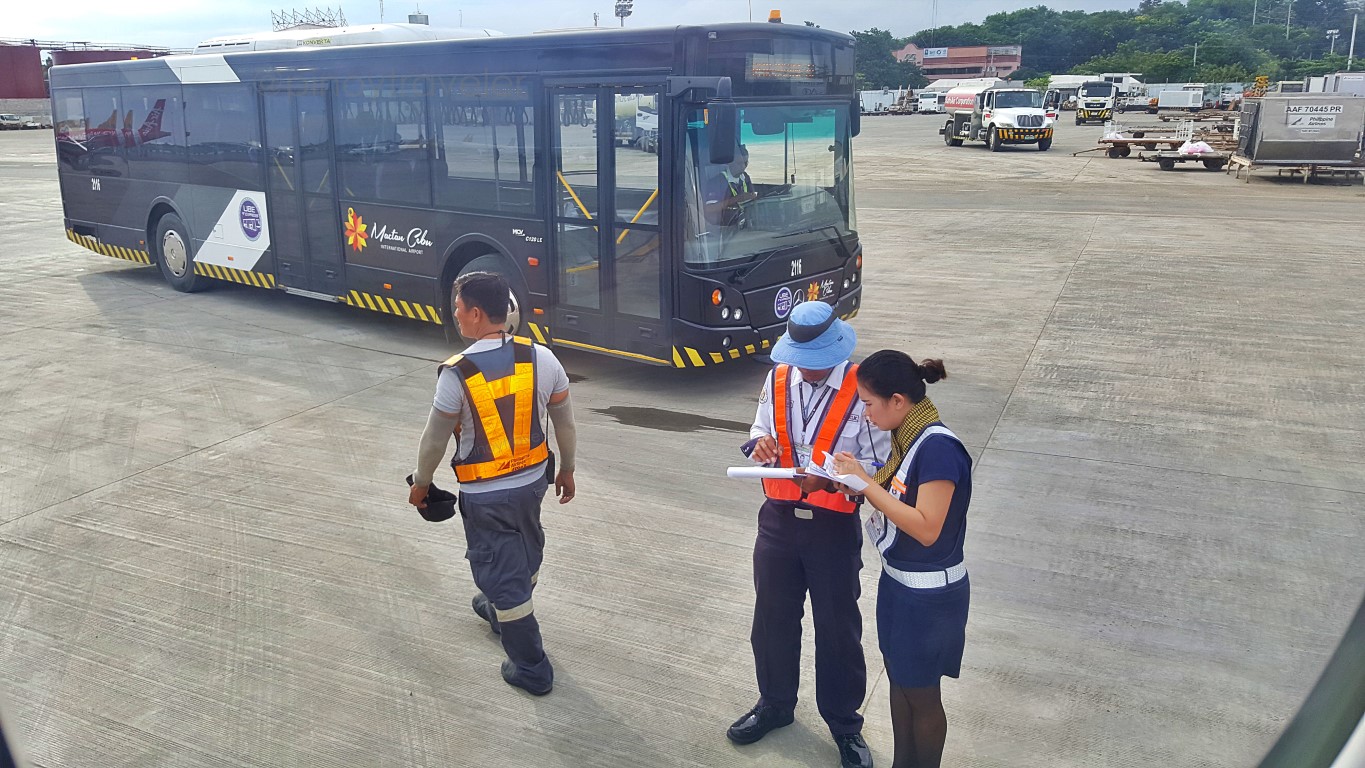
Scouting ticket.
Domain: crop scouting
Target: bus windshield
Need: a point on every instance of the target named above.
(789, 183)
(1017, 99)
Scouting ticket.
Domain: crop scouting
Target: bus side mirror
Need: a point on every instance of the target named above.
(723, 130)
(855, 118)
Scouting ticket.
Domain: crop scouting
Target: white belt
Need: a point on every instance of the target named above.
(927, 579)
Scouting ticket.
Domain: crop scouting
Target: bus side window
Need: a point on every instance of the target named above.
(485, 145)
(382, 148)
(69, 119)
(222, 135)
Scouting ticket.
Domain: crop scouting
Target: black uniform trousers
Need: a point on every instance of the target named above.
(821, 555)
(505, 548)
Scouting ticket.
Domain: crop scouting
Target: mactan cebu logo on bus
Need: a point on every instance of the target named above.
(355, 230)
(390, 239)
(249, 217)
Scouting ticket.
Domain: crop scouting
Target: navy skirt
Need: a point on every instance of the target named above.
(922, 631)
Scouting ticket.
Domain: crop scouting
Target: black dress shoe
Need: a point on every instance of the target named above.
(756, 723)
(510, 676)
(484, 608)
(853, 751)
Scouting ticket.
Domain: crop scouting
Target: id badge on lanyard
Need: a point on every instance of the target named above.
(876, 527)
(809, 426)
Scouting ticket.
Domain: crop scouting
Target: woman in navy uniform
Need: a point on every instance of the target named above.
(920, 498)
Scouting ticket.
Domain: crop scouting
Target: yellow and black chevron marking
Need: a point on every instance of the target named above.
(117, 251)
(411, 309)
(243, 276)
(1022, 134)
(538, 334)
(687, 357)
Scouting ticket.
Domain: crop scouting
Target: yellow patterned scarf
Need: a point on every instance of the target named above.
(920, 416)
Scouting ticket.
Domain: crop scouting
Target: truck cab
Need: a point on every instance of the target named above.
(1096, 101)
(997, 116)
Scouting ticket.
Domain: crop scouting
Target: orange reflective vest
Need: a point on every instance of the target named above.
(508, 436)
(832, 422)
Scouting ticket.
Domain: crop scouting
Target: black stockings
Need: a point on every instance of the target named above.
(920, 726)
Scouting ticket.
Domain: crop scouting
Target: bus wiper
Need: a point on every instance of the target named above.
(837, 235)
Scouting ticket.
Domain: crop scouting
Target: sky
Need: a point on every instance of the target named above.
(184, 23)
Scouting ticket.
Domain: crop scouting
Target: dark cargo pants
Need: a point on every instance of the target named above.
(505, 547)
(821, 552)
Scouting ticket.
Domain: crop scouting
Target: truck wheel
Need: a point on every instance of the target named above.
(949, 138)
(1114, 153)
(1215, 165)
(175, 255)
(1044, 145)
(518, 312)
(1079, 121)
(1125, 151)
(1167, 165)
(993, 140)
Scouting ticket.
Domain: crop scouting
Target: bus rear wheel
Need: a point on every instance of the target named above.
(518, 312)
(174, 255)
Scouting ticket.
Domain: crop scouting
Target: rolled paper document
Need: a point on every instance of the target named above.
(770, 473)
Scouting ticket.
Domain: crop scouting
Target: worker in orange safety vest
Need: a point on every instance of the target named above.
(809, 535)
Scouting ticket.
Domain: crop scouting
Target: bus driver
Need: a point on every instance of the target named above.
(729, 190)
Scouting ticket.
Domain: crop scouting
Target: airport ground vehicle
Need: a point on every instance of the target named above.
(10, 122)
(320, 172)
(1185, 99)
(997, 116)
(931, 102)
(1095, 102)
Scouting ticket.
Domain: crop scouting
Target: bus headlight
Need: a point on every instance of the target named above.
(739, 314)
(847, 283)
(726, 342)
(725, 313)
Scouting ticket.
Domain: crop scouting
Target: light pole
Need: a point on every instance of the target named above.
(623, 9)
(1288, 14)
(1351, 57)
(1332, 35)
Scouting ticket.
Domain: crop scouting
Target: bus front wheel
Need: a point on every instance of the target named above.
(175, 257)
(518, 311)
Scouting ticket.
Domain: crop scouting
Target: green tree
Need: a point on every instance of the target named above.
(876, 64)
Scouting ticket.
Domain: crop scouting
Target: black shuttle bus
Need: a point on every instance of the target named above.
(599, 170)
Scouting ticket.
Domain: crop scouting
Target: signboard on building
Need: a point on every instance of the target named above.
(935, 53)
(1004, 50)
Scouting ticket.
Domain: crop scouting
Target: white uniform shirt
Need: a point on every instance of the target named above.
(807, 402)
(551, 379)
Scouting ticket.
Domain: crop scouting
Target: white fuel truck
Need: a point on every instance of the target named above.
(997, 116)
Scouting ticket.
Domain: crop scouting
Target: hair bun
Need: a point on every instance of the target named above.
(932, 370)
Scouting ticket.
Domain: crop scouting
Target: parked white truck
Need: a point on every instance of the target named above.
(930, 102)
(997, 116)
(1096, 101)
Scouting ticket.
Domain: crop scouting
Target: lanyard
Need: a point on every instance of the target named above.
(819, 396)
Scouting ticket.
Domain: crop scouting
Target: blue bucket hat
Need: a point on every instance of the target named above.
(815, 338)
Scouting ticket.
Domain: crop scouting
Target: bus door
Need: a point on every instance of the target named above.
(608, 220)
(305, 228)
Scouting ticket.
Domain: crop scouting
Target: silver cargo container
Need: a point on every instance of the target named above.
(1303, 129)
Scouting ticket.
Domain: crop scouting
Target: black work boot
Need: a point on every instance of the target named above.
(510, 676)
(484, 608)
(853, 751)
(756, 723)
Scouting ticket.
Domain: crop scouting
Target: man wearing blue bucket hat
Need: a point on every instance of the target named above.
(809, 536)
